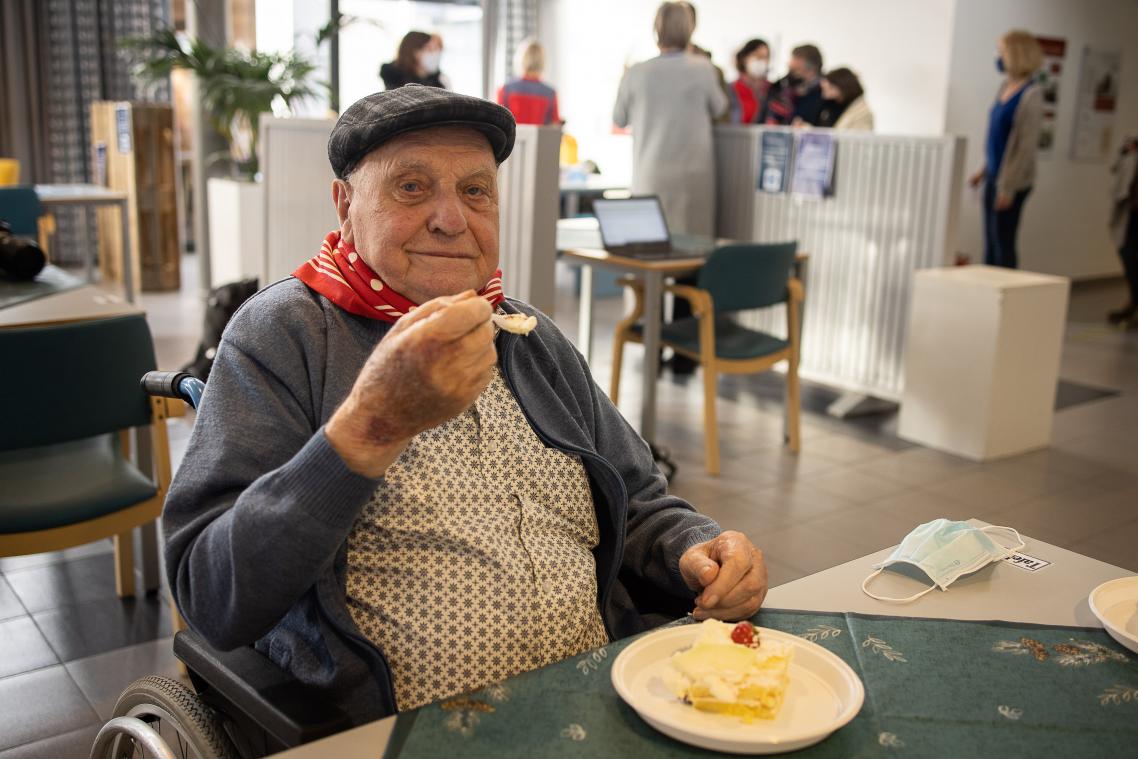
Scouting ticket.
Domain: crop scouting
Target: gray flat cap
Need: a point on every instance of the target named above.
(371, 121)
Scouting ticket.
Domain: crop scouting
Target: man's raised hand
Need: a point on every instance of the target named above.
(429, 368)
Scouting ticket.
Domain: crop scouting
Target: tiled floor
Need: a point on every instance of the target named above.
(68, 646)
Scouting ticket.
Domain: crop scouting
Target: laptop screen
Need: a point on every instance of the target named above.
(631, 221)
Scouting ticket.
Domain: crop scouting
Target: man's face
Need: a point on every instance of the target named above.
(422, 211)
(798, 68)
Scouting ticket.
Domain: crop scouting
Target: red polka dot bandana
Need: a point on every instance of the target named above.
(339, 274)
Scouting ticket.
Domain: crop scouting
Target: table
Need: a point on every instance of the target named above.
(579, 242)
(79, 304)
(1054, 595)
(572, 188)
(87, 303)
(93, 195)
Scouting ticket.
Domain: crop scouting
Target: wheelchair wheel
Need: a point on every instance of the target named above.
(190, 728)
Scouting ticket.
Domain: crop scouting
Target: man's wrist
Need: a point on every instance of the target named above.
(362, 456)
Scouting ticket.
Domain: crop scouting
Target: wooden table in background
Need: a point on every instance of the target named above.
(93, 195)
(75, 305)
(579, 243)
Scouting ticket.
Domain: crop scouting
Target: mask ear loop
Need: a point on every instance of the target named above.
(875, 573)
(1018, 538)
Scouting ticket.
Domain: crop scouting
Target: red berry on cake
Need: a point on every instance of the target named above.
(744, 634)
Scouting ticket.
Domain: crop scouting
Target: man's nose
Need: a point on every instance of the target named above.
(448, 216)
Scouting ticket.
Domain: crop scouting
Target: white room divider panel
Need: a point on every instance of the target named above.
(893, 211)
(298, 192)
(529, 194)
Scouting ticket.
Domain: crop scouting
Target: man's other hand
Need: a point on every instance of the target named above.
(730, 573)
(429, 368)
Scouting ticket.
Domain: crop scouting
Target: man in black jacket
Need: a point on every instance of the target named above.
(797, 97)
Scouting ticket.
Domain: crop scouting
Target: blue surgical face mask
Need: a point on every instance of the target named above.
(1000, 64)
(946, 550)
(430, 61)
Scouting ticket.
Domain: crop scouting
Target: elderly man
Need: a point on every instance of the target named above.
(396, 503)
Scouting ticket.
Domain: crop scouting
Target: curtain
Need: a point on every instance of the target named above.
(60, 56)
(520, 21)
(23, 106)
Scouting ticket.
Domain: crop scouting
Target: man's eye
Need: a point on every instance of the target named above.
(410, 187)
(475, 191)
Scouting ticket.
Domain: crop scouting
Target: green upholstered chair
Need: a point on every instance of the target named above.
(69, 394)
(735, 278)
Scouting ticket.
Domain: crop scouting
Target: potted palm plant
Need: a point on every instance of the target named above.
(235, 86)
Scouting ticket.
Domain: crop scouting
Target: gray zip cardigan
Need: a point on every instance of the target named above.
(257, 518)
(1017, 169)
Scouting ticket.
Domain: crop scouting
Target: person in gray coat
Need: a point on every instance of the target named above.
(392, 500)
(670, 103)
(1011, 146)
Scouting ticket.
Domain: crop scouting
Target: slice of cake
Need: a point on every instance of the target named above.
(730, 671)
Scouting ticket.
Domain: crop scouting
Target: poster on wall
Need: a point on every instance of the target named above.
(813, 174)
(1048, 78)
(774, 161)
(1096, 104)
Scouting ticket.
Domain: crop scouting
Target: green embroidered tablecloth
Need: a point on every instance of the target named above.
(933, 688)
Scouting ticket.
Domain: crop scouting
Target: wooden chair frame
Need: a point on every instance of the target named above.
(704, 309)
(118, 524)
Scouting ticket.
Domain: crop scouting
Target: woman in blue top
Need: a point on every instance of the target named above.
(1010, 147)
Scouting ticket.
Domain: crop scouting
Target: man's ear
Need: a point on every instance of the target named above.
(342, 199)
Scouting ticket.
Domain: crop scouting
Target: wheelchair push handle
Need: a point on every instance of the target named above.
(180, 385)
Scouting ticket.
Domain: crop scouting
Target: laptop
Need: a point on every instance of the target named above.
(635, 227)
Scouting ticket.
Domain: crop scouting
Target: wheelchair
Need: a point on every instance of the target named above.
(240, 706)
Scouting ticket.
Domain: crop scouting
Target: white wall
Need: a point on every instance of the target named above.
(1063, 230)
(285, 25)
(373, 40)
(900, 50)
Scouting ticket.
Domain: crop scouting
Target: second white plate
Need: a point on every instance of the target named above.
(1115, 603)
(824, 694)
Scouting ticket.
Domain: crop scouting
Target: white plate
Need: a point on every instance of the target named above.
(824, 694)
(1115, 603)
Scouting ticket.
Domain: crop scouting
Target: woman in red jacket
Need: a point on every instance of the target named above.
(749, 91)
(531, 100)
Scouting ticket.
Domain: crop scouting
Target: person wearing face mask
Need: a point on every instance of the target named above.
(416, 62)
(1011, 146)
(797, 97)
(749, 92)
(843, 104)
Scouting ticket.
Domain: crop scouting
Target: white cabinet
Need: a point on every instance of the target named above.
(236, 230)
(982, 361)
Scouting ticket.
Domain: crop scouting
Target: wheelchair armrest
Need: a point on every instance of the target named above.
(248, 681)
